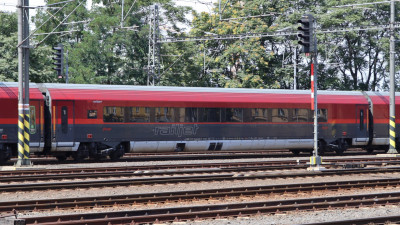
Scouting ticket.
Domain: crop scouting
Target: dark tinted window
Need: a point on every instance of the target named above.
(165, 114)
(233, 115)
(64, 119)
(280, 115)
(209, 115)
(92, 114)
(322, 115)
(138, 114)
(113, 114)
(301, 115)
(191, 115)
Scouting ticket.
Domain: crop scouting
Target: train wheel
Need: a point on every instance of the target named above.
(342, 146)
(5, 154)
(118, 153)
(81, 153)
(370, 150)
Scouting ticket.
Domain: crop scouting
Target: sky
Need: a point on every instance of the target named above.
(199, 5)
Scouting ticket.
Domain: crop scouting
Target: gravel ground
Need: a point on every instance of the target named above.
(291, 218)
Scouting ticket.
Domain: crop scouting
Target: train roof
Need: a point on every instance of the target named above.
(164, 94)
(9, 90)
(189, 89)
(382, 98)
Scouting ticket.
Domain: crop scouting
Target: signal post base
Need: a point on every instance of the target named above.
(24, 163)
(315, 164)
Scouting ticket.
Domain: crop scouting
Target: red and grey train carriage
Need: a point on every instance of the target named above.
(9, 120)
(106, 120)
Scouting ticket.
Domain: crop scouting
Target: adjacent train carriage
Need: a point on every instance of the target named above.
(9, 120)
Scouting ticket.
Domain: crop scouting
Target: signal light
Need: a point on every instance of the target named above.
(306, 34)
(59, 60)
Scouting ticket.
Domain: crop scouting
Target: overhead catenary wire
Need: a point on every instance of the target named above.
(129, 10)
(32, 33)
(80, 3)
(272, 34)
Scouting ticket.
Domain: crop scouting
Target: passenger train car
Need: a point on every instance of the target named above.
(108, 120)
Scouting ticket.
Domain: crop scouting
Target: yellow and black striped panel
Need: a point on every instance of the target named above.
(26, 135)
(392, 133)
(21, 136)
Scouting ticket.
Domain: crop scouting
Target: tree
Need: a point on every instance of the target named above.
(40, 69)
(103, 52)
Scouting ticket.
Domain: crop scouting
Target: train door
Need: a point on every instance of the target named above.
(362, 121)
(36, 125)
(63, 129)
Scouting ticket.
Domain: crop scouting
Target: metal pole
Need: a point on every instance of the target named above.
(392, 115)
(295, 69)
(204, 59)
(26, 77)
(219, 9)
(315, 64)
(316, 159)
(23, 84)
(122, 15)
(66, 69)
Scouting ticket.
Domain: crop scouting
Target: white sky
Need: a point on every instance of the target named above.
(199, 5)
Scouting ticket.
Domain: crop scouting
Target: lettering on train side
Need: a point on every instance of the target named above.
(106, 128)
(178, 130)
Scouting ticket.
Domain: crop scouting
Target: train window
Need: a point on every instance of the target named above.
(322, 115)
(233, 115)
(164, 114)
(64, 119)
(361, 119)
(92, 114)
(32, 119)
(113, 114)
(139, 114)
(300, 115)
(280, 115)
(191, 115)
(180, 115)
(209, 115)
(259, 115)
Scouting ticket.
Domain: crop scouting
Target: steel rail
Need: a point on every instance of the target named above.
(136, 173)
(281, 163)
(181, 196)
(222, 210)
(182, 179)
(271, 164)
(183, 156)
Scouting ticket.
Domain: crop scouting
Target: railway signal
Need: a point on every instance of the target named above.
(306, 34)
(59, 59)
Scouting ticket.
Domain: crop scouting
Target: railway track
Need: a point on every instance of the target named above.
(184, 179)
(147, 173)
(177, 214)
(188, 196)
(73, 173)
(176, 156)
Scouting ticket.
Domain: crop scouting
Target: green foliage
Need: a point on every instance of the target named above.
(40, 58)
